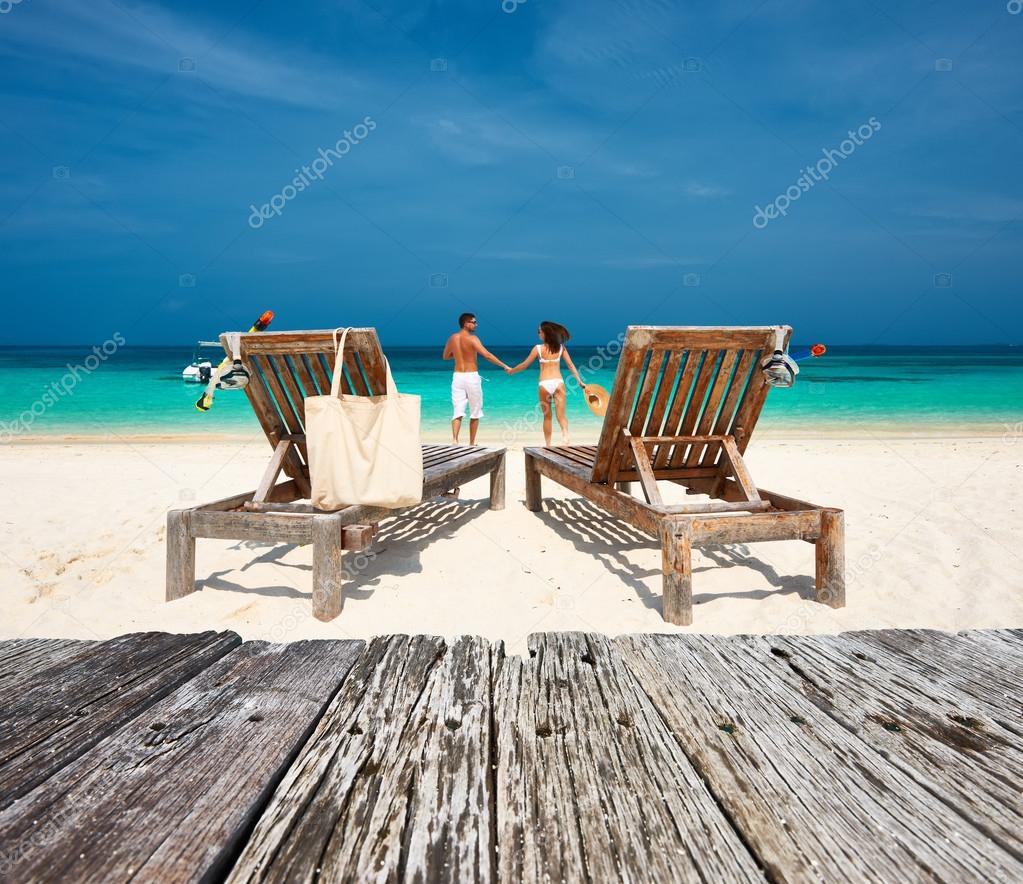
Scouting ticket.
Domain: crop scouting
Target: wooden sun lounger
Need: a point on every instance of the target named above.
(683, 407)
(285, 367)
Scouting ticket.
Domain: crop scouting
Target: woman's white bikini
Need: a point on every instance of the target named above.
(549, 384)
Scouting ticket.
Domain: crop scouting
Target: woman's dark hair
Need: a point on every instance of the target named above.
(554, 335)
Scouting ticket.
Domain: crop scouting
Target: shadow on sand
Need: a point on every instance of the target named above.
(395, 552)
(595, 533)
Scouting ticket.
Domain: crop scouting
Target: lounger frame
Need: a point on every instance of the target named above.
(284, 368)
(683, 408)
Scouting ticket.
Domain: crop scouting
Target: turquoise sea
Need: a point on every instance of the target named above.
(139, 391)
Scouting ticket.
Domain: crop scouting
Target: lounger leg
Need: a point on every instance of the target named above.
(830, 549)
(328, 544)
(533, 500)
(624, 487)
(677, 566)
(180, 556)
(497, 486)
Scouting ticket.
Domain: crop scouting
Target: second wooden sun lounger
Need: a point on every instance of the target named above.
(683, 407)
(285, 367)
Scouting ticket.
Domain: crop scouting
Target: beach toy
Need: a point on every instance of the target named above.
(596, 398)
(818, 350)
(779, 368)
(237, 377)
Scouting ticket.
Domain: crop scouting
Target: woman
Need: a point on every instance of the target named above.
(552, 384)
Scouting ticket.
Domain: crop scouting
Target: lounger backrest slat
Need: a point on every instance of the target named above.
(684, 381)
(303, 374)
(737, 384)
(286, 367)
(665, 390)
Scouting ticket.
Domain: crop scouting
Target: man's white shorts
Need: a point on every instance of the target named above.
(466, 387)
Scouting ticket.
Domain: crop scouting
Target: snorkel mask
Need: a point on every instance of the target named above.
(779, 368)
(237, 376)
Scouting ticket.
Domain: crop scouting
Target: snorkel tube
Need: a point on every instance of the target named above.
(237, 376)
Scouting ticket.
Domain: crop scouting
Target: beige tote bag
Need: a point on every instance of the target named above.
(363, 449)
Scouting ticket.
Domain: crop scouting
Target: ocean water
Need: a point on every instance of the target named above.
(138, 390)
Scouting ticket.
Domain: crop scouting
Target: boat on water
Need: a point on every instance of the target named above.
(200, 369)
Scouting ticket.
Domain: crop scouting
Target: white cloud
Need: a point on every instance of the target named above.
(475, 138)
(152, 39)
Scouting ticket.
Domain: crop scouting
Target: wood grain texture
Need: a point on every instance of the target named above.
(988, 670)
(677, 572)
(813, 800)
(24, 660)
(180, 572)
(944, 740)
(170, 795)
(76, 700)
(395, 782)
(328, 549)
(591, 786)
(893, 755)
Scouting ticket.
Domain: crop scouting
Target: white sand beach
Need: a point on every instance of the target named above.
(933, 526)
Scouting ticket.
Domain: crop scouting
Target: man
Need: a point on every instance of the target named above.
(466, 388)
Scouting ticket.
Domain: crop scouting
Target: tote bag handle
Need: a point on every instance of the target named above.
(339, 349)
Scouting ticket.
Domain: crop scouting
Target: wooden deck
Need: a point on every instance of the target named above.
(867, 756)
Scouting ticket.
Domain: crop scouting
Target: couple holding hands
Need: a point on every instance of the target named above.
(467, 389)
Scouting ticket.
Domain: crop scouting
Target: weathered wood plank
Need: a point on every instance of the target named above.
(328, 548)
(647, 481)
(673, 422)
(727, 412)
(811, 798)
(619, 406)
(677, 572)
(82, 698)
(941, 738)
(651, 379)
(737, 467)
(622, 506)
(707, 419)
(754, 527)
(706, 373)
(590, 784)
(497, 486)
(965, 663)
(395, 782)
(180, 570)
(169, 797)
(305, 379)
(23, 659)
(703, 337)
(273, 470)
(655, 420)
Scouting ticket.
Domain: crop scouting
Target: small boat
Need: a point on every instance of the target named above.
(200, 369)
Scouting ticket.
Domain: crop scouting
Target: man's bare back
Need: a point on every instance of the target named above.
(463, 348)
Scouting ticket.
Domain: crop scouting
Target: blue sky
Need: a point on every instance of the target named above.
(595, 163)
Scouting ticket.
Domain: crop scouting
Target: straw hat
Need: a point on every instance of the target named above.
(597, 398)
